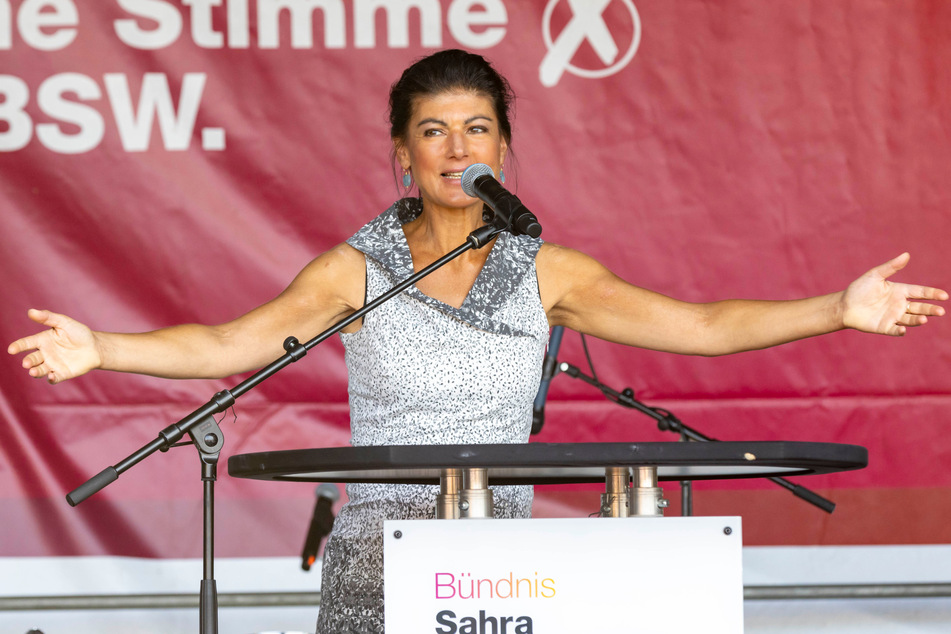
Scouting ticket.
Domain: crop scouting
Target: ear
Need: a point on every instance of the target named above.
(503, 150)
(402, 154)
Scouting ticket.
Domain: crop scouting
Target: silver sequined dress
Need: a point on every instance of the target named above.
(423, 372)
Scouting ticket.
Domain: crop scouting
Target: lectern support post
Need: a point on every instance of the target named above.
(643, 499)
(464, 494)
(648, 498)
(616, 499)
(476, 496)
(447, 502)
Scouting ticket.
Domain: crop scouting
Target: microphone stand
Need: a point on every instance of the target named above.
(666, 421)
(208, 438)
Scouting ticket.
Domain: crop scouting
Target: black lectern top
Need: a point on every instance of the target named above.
(549, 463)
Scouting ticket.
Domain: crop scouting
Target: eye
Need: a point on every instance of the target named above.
(432, 132)
(478, 129)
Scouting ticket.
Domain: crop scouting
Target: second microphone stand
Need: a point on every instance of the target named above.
(666, 421)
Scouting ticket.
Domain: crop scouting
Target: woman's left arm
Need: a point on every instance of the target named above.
(580, 293)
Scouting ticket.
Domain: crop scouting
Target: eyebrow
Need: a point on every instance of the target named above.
(441, 122)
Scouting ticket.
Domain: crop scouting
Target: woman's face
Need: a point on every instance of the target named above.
(447, 133)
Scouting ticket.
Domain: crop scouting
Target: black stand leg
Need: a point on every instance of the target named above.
(208, 606)
(686, 490)
(686, 498)
(209, 439)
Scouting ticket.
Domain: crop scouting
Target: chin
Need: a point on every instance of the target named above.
(459, 202)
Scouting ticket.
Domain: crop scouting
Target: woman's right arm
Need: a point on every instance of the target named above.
(326, 290)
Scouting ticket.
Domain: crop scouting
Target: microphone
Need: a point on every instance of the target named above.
(478, 181)
(320, 523)
(549, 370)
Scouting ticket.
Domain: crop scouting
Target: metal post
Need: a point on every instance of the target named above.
(447, 502)
(616, 500)
(476, 496)
(647, 498)
(208, 591)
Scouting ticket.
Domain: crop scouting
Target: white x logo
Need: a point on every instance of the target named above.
(587, 23)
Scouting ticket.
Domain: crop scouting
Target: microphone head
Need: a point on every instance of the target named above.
(471, 173)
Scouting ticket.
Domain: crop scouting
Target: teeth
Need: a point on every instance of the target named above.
(453, 174)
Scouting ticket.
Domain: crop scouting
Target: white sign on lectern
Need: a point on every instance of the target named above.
(673, 575)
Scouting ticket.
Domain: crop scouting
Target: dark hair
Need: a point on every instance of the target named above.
(447, 71)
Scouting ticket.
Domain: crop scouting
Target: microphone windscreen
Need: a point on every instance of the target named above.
(471, 173)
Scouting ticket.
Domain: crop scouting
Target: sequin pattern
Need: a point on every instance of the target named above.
(423, 372)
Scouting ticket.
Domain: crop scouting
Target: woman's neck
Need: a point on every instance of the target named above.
(440, 230)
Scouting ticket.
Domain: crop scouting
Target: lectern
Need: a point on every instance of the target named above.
(670, 575)
(630, 471)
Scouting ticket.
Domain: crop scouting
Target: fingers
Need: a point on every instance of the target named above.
(911, 321)
(925, 292)
(38, 367)
(33, 359)
(22, 345)
(42, 317)
(912, 291)
(35, 362)
(917, 313)
(47, 318)
(894, 265)
(39, 316)
(27, 343)
(921, 309)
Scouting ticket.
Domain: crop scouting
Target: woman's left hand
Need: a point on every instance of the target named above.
(873, 304)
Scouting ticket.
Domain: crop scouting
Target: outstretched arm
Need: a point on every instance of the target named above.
(329, 288)
(581, 294)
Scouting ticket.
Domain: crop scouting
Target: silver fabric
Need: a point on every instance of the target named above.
(422, 372)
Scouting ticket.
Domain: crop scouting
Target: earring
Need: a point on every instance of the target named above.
(407, 179)
(502, 174)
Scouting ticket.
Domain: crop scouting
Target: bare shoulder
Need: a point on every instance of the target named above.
(561, 270)
(341, 259)
(554, 257)
(337, 276)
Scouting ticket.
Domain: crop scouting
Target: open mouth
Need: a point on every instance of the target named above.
(455, 175)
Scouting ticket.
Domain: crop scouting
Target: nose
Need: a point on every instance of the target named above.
(458, 148)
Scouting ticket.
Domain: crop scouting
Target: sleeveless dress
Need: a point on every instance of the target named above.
(423, 372)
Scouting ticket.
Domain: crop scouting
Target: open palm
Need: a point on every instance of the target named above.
(67, 350)
(872, 303)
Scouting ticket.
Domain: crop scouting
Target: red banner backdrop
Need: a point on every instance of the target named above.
(168, 161)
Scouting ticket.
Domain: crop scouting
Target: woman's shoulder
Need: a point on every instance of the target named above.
(339, 272)
(341, 260)
(562, 271)
(553, 256)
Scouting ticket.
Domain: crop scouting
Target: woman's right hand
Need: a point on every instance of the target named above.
(67, 350)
